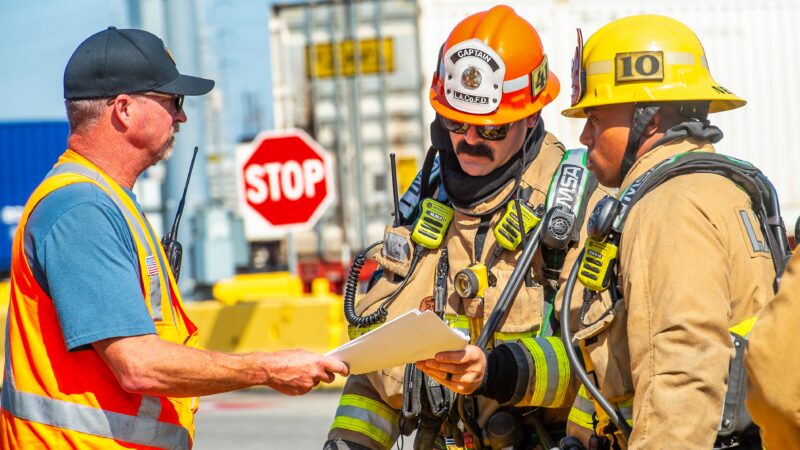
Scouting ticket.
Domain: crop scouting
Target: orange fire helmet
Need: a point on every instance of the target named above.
(492, 70)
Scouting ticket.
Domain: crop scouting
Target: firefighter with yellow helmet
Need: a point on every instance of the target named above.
(684, 252)
(491, 162)
(773, 395)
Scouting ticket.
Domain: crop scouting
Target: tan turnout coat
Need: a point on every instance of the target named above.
(773, 365)
(525, 316)
(689, 271)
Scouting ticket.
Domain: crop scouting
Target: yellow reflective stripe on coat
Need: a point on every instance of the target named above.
(552, 370)
(582, 412)
(461, 323)
(354, 332)
(368, 417)
(625, 408)
(743, 328)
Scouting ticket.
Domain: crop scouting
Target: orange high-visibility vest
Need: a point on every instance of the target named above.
(53, 398)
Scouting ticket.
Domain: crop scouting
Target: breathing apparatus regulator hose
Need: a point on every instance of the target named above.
(511, 288)
(351, 286)
(797, 231)
(577, 366)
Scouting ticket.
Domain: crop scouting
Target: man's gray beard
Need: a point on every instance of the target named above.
(166, 150)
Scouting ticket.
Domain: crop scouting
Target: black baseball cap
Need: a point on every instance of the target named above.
(114, 62)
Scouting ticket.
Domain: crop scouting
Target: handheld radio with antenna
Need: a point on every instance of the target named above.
(172, 247)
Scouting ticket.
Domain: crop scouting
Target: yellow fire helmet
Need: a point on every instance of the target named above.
(644, 59)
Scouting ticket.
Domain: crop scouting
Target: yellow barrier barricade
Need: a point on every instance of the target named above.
(269, 312)
(257, 286)
(238, 324)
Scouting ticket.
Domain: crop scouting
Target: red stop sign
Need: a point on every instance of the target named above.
(286, 179)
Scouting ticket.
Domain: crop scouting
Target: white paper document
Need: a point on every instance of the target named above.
(411, 337)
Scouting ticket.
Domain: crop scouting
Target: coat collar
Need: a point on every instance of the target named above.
(662, 152)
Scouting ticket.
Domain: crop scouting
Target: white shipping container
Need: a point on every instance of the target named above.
(750, 46)
(359, 115)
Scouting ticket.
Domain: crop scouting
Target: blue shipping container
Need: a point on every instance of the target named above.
(28, 151)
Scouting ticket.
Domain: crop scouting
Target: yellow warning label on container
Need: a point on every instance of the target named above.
(329, 59)
(406, 171)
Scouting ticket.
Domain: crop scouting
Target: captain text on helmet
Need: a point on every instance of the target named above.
(491, 162)
(689, 271)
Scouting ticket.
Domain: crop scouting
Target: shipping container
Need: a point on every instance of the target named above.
(28, 151)
(349, 74)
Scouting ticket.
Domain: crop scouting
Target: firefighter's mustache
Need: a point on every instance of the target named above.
(480, 150)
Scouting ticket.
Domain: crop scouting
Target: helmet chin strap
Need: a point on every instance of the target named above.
(641, 117)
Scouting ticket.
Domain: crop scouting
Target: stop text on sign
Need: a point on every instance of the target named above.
(275, 181)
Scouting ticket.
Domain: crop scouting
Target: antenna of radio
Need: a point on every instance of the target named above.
(395, 197)
(174, 232)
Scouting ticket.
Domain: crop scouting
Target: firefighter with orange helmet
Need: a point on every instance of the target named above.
(490, 159)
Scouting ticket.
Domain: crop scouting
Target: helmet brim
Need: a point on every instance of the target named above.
(719, 101)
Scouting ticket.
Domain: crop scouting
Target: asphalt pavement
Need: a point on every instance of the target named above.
(263, 419)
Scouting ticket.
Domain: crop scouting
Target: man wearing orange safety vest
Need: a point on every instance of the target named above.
(99, 350)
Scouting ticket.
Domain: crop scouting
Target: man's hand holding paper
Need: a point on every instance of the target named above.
(460, 371)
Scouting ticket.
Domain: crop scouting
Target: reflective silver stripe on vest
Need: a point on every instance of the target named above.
(143, 429)
(150, 407)
(94, 421)
(155, 281)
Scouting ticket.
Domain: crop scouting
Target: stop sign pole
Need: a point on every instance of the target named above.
(285, 184)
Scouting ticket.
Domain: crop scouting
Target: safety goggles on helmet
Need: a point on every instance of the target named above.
(578, 72)
(488, 132)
